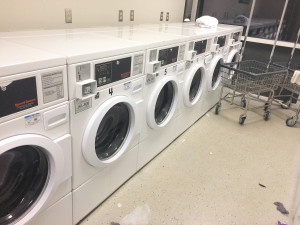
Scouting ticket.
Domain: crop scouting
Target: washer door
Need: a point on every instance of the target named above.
(109, 131)
(30, 170)
(194, 84)
(162, 102)
(233, 56)
(214, 73)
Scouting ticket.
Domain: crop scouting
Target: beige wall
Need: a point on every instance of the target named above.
(49, 14)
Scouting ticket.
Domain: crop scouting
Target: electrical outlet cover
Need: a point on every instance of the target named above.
(131, 15)
(161, 16)
(68, 15)
(120, 15)
(167, 16)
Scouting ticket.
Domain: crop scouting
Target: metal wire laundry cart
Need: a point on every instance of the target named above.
(250, 79)
(294, 91)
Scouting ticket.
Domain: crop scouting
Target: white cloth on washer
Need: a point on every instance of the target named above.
(207, 22)
(296, 77)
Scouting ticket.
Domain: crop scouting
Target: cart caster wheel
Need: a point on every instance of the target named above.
(290, 122)
(218, 108)
(243, 102)
(266, 107)
(285, 105)
(242, 119)
(267, 115)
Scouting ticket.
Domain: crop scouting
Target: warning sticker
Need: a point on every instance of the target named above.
(82, 105)
(32, 119)
(52, 84)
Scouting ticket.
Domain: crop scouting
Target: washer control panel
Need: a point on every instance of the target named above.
(200, 46)
(112, 71)
(221, 41)
(168, 55)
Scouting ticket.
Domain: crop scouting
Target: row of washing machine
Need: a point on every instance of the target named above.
(82, 110)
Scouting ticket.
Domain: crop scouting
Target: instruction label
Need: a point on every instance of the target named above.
(52, 84)
(138, 61)
(82, 105)
(181, 52)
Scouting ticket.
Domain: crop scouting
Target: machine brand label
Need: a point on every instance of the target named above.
(18, 95)
(53, 88)
(32, 119)
(82, 105)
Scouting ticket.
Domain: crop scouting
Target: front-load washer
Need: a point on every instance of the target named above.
(106, 129)
(235, 46)
(198, 58)
(164, 66)
(35, 141)
(219, 49)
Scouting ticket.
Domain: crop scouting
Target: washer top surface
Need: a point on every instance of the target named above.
(233, 28)
(80, 47)
(47, 32)
(32, 33)
(149, 38)
(190, 32)
(16, 58)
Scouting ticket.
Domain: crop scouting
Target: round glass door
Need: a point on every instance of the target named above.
(216, 74)
(164, 102)
(24, 173)
(112, 131)
(235, 57)
(195, 85)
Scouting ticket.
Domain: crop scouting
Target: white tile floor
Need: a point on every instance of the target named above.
(210, 175)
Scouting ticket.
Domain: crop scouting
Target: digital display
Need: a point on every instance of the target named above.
(200, 46)
(168, 55)
(112, 71)
(221, 41)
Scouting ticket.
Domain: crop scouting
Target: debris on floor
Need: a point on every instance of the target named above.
(281, 208)
(279, 223)
(140, 216)
(114, 223)
(262, 185)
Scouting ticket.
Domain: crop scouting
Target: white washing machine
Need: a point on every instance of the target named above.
(106, 138)
(219, 50)
(164, 66)
(198, 59)
(105, 91)
(35, 141)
